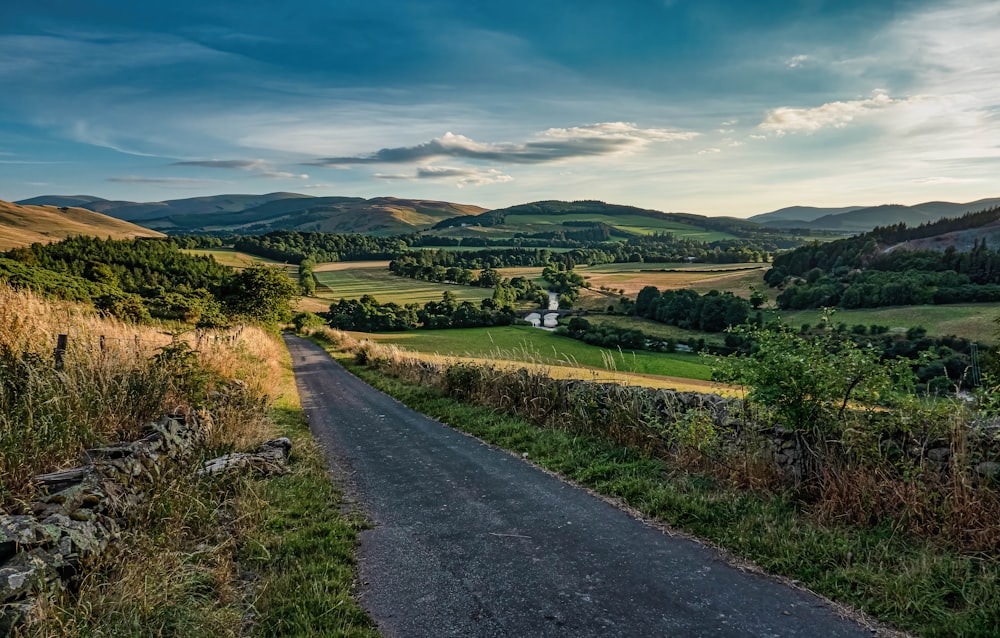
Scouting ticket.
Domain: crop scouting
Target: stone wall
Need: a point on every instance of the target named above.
(83, 509)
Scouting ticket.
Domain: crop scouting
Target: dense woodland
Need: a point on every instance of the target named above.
(860, 272)
(587, 243)
(142, 279)
(368, 315)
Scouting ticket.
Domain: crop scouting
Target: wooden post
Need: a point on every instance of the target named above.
(60, 351)
(102, 344)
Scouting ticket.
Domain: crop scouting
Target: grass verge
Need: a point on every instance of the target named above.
(916, 586)
(301, 549)
(232, 554)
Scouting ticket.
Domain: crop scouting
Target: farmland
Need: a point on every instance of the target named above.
(230, 257)
(633, 277)
(352, 280)
(638, 224)
(521, 343)
(972, 321)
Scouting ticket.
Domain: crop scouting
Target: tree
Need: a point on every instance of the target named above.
(262, 293)
(809, 383)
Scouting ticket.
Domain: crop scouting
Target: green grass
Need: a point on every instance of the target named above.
(633, 277)
(632, 223)
(465, 249)
(972, 321)
(352, 283)
(230, 257)
(302, 552)
(654, 328)
(921, 588)
(523, 343)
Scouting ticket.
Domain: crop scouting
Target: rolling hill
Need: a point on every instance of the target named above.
(856, 219)
(23, 225)
(621, 221)
(256, 214)
(800, 214)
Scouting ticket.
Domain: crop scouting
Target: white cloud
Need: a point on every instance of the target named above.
(551, 145)
(460, 176)
(832, 114)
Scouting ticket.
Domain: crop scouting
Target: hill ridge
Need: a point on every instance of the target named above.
(22, 225)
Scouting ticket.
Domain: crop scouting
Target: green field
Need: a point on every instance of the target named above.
(230, 257)
(467, 249)
(633, 277)
(653, 328)
(353, 280)
(972, 321)
(639, 224)
(522, 343)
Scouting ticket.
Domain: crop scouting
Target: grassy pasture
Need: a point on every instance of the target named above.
(230, 257)
(972, 321)
(653, 328)
(735, 278)
(469, 249)
(522, 343)
(352, 280)
(632, 223)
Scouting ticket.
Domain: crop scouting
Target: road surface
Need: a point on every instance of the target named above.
(472, 541)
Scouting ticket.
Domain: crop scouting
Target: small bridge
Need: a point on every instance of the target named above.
(545, 318)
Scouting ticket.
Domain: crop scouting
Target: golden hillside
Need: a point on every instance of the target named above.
(23, 225)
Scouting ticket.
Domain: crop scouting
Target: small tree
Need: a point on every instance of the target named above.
(808, 384)
(262, 293)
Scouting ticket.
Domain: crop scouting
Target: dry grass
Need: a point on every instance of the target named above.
(24, 225)
(175, 571)
(115, 378)
(735, 278)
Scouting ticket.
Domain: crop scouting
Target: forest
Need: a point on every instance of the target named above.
(139, 280)
(861, 272)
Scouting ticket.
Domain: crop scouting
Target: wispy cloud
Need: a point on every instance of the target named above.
(832, 114)
(169, 181)
(552, 145)
(259, 168)
(461, 177)
(797, 61)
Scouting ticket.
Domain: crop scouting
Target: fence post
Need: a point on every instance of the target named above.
(60, 350)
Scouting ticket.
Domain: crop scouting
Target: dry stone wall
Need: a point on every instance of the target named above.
(84, 509)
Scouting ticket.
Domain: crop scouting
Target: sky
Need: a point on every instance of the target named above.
(717, 107)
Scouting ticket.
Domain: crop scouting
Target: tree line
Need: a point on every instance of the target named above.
(859, 273)
(368, 315)
(140, 279)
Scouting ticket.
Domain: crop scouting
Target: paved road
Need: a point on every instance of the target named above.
(471, 541)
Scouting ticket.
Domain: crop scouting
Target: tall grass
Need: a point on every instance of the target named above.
(202, 555)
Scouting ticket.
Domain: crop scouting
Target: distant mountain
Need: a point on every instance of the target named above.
(257, 214)
(144, 211)
(24, 225)
(859, 220)
(799, 214)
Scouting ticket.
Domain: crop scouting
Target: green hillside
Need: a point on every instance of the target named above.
(620, 221)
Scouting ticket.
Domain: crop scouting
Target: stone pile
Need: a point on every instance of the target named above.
(84, 509)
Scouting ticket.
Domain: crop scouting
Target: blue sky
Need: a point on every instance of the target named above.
(707, 106)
